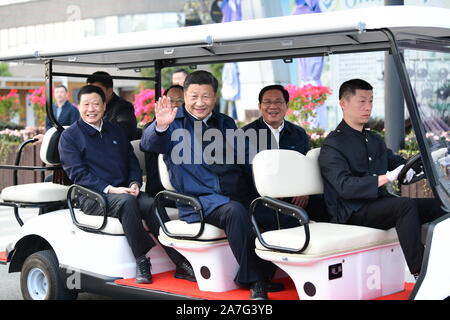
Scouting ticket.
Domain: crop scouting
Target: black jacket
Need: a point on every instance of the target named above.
(350, 163)
(121, 112)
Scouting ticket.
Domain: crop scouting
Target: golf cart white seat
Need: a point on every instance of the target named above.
(44, 191)
(340, 261)
(35, 192)
(209, 254)
(113, 227)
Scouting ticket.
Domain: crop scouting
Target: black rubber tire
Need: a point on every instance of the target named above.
(47, 263)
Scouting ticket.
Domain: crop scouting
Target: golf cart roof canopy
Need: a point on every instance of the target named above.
(286, 37)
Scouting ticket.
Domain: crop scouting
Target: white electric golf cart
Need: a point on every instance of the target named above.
(62, 251)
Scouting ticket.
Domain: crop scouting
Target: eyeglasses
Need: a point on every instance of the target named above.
(178, 101)
(276, 103)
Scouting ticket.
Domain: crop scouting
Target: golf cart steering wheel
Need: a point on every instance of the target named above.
(415, 163)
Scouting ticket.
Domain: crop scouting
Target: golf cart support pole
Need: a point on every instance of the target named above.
(158, 68)
(394, 103)
(49, 95)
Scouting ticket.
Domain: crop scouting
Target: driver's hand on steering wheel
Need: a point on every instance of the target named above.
(409, 175)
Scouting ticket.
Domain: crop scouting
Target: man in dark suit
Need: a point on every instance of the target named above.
(97, 155)
(118, 110)
(356, 165)
(282, 134)
(65, 112)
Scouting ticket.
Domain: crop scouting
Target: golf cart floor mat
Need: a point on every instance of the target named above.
(167, 283)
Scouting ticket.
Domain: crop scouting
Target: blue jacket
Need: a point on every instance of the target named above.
(95, 160)
(213, 184)
(69, 114)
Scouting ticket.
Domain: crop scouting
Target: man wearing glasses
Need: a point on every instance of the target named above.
(282, 134)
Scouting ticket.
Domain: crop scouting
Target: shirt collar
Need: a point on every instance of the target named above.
(99, 129)
(272, 128)
(345, 127)
(205, 120)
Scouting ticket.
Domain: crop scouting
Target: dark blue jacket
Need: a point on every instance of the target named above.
(213, 184)
(95, 160)
(69, 114)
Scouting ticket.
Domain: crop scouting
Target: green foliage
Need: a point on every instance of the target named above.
(4, 70)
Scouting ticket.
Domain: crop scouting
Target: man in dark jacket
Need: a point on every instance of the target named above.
(64, 112)
(356, 165)
(97, 155)
(282, 134)
(118, 110)
(179, 134)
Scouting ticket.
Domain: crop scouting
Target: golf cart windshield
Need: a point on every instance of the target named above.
(427, 65)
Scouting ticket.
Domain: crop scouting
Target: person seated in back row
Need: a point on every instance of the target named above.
(97, 155)
(153, 185)
(118, 110)
(282, 134)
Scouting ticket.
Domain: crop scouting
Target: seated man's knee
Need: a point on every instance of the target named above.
(406, 206)
(236, 211)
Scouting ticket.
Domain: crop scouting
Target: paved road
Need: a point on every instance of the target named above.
(10, 282)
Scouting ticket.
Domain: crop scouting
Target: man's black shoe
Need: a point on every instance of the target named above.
(274, 286)
(258, 291)
(185, 271)
(143, 267)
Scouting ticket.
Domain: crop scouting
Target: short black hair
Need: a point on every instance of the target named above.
(201, 77)
(274, 87)
(181, 70)
(174, 86)
(60, 86)
(101, 76)
(348, 88)
(87, 89)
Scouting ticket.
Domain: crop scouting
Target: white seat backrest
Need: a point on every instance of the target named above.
(140, 155)
(164, 174)
(287, 173)
(49, 148)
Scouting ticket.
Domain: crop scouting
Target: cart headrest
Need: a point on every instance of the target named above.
(287, 173)
(140, 155)
(49, 148)
(164, 174)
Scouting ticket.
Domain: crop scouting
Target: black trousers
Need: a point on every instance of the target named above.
(234, 219)
(407, 216)
(130, 211)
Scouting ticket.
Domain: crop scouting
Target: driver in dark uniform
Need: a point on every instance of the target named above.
(356, 165)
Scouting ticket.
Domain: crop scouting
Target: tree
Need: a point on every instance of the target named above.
(4, 70)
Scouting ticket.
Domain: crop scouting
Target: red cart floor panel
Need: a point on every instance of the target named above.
(167, 283)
